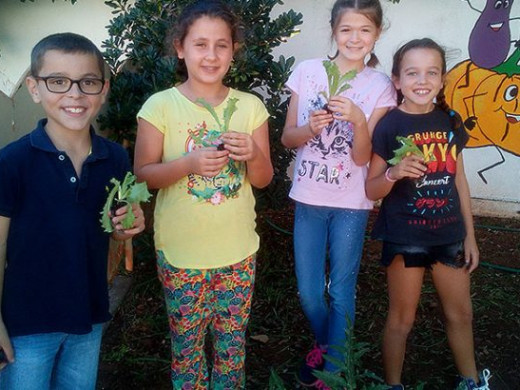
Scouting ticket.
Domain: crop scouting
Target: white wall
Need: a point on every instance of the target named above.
(22, 25)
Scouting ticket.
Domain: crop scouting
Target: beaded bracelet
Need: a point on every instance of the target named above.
(387, 176)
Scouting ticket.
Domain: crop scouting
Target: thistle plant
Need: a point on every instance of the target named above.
(407, 148)
(337, 82)
(223, 125)
(123, 194)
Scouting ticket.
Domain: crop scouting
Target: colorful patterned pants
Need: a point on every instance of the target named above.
(201, 300)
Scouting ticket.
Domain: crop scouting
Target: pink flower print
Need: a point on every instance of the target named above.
(216, 198)
(232, 351)
(233, 310)
(187, 386)
(184, 309)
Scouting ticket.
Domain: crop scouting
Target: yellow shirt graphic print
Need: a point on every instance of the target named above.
(222, 186)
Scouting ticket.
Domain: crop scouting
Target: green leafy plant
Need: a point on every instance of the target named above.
(223, 125)
(350, 374)
(337, 82)
(123, 194)
(275, 382)
(407, 148)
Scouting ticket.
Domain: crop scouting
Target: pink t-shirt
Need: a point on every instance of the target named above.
(324, 173)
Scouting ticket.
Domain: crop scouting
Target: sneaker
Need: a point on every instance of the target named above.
(469, 384)
(313, 361)
(320, 385)
(395, 387)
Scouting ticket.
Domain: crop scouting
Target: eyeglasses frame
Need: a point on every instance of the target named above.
(72, 82)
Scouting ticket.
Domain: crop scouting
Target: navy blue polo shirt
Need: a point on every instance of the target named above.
(56, 279)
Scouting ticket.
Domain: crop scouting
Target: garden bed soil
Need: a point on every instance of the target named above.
(135, 352)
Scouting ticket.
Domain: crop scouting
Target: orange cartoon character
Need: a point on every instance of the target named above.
(489, 104)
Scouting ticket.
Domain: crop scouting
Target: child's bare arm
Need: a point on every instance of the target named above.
(5, 343)
(148, 165)
(254, 150)
(377, 185)
(381, 179)
(471, 253)
(345, 109)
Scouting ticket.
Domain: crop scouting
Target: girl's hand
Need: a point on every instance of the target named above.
(346, 110)
(207, 161)
(471, 253)
(319, 120)
(5, 345)
(241, 146)
(411, 166)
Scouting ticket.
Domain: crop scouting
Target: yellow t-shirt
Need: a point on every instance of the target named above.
(203, 222)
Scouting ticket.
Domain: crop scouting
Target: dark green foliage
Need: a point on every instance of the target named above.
(138, 52)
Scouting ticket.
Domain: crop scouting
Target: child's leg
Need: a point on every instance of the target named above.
(404, 291)
(187, 306)
(232, 289)
(346, 236)
(310, 243)
(453, 287)
(77, 361)
(34, 362)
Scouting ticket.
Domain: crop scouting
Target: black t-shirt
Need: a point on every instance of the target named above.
(425, 211)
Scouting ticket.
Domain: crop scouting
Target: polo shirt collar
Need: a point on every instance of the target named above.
(40, 140)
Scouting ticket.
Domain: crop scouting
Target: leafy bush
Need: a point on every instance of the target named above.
(138, 52)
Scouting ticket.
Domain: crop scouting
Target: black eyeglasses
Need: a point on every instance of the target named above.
(61, 84)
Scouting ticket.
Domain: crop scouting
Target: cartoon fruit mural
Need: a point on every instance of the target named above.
(490, 104)
(490, 39)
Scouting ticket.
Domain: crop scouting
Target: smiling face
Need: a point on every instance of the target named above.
(497, 107)
(355, 36)
(72, 110)
(489, 104)
(207, 50)
(420, 79)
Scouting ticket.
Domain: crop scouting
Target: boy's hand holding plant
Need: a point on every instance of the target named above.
(125, 194)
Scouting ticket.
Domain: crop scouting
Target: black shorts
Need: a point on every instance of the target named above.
(424, 256)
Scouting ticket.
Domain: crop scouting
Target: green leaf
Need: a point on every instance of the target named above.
(211, 110)
(229, 110)
(337, 82)
(128, 193)
(106, 223)
(139, 193)
(407, 148)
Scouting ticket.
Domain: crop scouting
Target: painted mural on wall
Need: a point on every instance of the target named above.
(484, 89)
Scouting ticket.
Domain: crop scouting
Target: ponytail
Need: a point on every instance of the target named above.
(455, 119)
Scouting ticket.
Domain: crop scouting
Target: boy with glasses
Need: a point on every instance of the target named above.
(53, 251)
